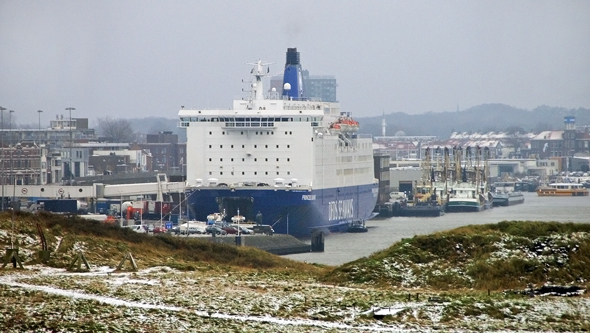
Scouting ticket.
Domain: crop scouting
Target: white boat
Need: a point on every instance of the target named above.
(504, 194)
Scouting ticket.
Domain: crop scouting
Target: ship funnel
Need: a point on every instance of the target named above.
(292, 76)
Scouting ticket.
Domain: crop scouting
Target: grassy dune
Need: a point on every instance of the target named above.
(106, 245)
(494, 256)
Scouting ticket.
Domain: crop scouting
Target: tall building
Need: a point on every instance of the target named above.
(322, 87)
(303, 85)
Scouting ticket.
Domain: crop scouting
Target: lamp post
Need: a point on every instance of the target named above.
(2, 139)
(121, 206)
(40, 151)
(10, 126)
(39, 133)
(71, 140)
(10, 140)
(13, 184)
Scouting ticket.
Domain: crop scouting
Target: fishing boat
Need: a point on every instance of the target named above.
(278, 159)
(469, 192)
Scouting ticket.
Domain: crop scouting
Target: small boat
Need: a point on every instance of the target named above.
(238, 219)
(504, 194)
(357, 227)
(562, 190)
(215, 218)
(399, 205)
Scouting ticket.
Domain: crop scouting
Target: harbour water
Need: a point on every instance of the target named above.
(383, 232)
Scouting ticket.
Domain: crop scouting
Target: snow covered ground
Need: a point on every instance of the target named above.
(164, 299)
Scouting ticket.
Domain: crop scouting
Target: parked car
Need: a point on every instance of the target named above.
(230, 230)
(196, 230)
(137, 228)
(244, 230)
(159, 230)
(215, 230)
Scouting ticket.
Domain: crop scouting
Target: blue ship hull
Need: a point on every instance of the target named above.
(288, 211)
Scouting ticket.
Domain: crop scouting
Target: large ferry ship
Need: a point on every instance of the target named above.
(279, 159)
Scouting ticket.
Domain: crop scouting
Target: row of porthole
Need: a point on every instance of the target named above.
(244, 173)
(244, 146)
(243, 159)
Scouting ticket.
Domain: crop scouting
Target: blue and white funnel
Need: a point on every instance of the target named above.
(292, 78)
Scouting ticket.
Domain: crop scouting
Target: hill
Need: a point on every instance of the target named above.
(499, 256)
(481, 118)
(106, 244)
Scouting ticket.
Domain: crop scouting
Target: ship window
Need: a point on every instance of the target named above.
(290, 133)
(242, 159)
(266, 159)
(273, 133)
(210, 173)
(265, 146)
(288, 146)
(255, 173)
(221, 173)
(242, 133)
(220, 146)
(255, 146)
(223, 133)
(288, 160)
(255, 159)
(277, 159)
(277, 173)
(288, 172)
(232, 173)
(277, 146)
(232, 159)
(209, 146)
(266, 173)
(242, 173)
(285, 132)
(242, 146)
(232, 146)
(267, 133)
(221, 160)
(209, 159)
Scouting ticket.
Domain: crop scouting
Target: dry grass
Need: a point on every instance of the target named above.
(105, 244)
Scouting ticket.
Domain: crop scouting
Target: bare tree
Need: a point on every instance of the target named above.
(117, 130)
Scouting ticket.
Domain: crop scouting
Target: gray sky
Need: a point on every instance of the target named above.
(127, 59)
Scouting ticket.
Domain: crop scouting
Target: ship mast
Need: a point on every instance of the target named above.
(257, 86)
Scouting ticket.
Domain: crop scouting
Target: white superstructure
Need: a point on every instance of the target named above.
(274, 141)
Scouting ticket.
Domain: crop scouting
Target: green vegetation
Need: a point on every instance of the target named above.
(505, 255)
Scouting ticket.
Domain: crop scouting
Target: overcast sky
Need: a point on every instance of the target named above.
(128, 59)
